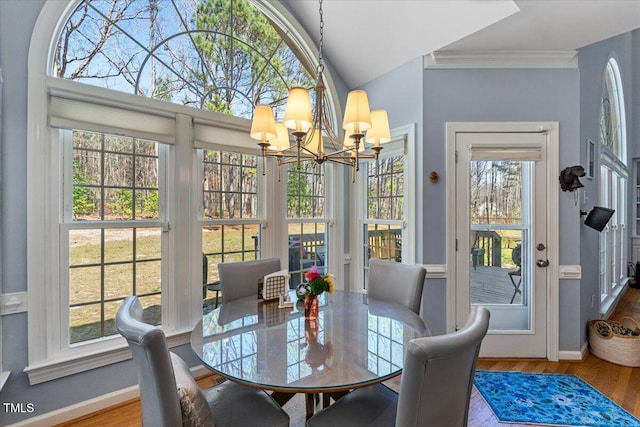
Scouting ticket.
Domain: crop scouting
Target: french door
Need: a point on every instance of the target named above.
(501, 255)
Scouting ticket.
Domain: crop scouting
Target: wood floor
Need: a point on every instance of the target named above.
(621, 384)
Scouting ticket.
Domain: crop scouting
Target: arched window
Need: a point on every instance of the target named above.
(217, 55)
(613, 181)
(612, 114)
(141, 167)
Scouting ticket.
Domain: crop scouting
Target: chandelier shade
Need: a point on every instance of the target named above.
(263, 126)
(281, 141)
(357, 116)
(297, 113)
(315, 139)
(379, 132)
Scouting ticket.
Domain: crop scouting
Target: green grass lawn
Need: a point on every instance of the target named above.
(91, 282)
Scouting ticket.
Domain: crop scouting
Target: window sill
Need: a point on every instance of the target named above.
(74, 364)
(609, 304)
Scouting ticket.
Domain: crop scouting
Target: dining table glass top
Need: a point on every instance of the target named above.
(355, 341)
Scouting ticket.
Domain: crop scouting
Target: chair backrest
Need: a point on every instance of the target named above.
(158, 392)
(396, 282)
(438, 375)
(240, 279)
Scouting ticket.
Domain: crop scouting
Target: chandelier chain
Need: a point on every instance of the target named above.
(320, 59)
(316, 139)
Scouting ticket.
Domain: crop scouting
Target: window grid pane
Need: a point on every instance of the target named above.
(386, 188)
(229, 187)
(229, 195)
(114, 177)
(228, 243)
(383, 225)
(105, 266)
(305, 191)
(308, 246)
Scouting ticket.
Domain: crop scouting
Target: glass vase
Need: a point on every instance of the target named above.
(311, 307)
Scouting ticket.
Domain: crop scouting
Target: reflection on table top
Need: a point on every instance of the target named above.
(354, 342)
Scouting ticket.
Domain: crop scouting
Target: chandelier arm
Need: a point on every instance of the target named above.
(344, 150)
(293, 157)
(340, 161)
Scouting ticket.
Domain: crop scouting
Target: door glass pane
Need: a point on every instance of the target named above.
(500, 210)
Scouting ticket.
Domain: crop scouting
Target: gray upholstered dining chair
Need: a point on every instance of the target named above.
(240, 279)
(396, 282)
(169, 394)
(435, 389)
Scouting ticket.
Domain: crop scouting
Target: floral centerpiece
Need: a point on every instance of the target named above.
(315, 285)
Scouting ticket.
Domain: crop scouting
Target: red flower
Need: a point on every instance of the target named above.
(311, 276)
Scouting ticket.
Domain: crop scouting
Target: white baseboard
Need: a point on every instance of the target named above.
(81, 409)
(89, 406)
(575, 355)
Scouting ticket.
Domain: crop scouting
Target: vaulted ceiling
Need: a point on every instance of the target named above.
(365, 39)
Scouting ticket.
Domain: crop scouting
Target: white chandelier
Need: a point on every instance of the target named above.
(315, 140)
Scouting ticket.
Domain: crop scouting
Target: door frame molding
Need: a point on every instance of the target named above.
(553, 245)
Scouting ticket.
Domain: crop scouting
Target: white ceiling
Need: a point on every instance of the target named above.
(363, 39)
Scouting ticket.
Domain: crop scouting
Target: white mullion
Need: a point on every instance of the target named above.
(63, 317)
(335, 247)
(411, 213)
(273, 230)
(359, 207)
(181, 280)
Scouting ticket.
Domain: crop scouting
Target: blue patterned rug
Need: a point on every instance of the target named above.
(549, 399)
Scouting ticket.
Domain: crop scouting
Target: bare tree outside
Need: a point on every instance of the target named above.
(223, 56)
(219, 55)
(495, 192)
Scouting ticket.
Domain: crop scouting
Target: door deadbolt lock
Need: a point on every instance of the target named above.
(541, 247)
(542, 263)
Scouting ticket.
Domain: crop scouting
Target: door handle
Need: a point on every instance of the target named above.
(542, 263)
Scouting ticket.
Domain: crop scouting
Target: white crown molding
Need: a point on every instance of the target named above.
(542, 59)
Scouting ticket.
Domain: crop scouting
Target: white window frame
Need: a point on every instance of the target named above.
(67, 224)
(328, 219)
(613, 183)
(613, 244)
(261, 184)
(404, 139)
(49, 357)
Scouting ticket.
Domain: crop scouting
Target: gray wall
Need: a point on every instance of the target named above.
(400, 93)
(429, 98)
(501, 95)
(593, 60)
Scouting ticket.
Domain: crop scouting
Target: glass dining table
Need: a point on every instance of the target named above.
(355, 341)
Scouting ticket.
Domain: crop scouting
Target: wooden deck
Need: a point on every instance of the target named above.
(492, 285)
